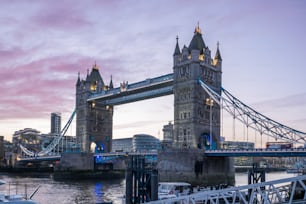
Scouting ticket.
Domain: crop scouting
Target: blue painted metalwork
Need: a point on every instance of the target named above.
(294, 152)
(149, 88)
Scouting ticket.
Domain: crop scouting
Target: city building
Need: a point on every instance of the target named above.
(145, 143)
(138, 143)
(55, 123)
(122, 145)
(168, 132)
(2, 151)
(28, 137)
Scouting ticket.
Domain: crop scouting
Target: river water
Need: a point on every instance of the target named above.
(83, 192)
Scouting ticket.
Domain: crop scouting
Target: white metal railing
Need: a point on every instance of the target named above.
(279, 191)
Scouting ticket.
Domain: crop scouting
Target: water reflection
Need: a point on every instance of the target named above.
(67, 192)
(85, 192)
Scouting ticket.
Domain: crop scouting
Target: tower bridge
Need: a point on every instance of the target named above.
(192, 124)
(196, 83)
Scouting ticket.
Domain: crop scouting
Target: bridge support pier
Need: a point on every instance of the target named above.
(192, 166)
(76, 162)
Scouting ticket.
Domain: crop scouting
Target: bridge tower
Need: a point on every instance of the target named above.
(94, 121)
(196, 116)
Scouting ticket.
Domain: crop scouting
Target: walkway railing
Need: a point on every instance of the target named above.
(287, 190)
(291, 152)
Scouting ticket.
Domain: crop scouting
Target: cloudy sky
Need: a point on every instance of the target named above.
(44, 44)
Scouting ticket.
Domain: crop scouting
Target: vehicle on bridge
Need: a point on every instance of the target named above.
(279, 145)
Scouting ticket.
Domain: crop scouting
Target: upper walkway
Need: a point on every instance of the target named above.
(127, 93)
(292, 152)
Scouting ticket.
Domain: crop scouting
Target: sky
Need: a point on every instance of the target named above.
(45, 44)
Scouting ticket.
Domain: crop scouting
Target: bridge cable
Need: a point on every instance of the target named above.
(257, 121)
(55, 142)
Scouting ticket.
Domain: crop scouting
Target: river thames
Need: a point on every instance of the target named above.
(86, 191)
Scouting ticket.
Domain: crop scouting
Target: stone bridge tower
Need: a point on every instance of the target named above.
(94, 121)
(196, 116)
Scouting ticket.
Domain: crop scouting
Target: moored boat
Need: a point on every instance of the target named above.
(15, 198)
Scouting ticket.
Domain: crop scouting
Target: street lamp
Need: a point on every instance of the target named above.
(210, 103)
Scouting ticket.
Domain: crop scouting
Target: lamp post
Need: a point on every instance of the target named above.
(210, 103)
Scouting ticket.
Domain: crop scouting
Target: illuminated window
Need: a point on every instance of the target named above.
(93, 86)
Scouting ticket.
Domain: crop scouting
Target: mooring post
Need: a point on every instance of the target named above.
(129, 182)
(154, 185)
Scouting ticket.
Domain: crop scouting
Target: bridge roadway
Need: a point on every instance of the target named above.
(293, 152)
(146, 89)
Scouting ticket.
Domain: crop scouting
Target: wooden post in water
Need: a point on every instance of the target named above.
(141, 181)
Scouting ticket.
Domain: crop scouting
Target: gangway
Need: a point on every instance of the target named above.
(288, 190)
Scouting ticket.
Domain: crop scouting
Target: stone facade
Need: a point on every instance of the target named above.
(190, 165)
(94, 120)
(192, 112)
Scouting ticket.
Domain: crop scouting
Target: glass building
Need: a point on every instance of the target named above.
(122, 145)
(145, 143)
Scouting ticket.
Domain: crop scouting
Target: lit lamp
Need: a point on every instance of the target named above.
(210, 103)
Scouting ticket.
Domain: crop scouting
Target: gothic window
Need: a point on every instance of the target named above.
(93, 86)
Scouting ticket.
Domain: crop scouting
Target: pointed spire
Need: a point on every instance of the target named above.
(218, 55)
(87, 75)
(177, 48)
(79, 80)
(95, 66)
(111, 86)
(198, 29)
(197, 42)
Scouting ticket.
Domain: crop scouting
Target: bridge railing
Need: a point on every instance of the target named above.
(278, 191)
(131, 87)
(259, 150)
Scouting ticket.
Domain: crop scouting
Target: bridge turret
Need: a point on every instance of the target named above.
(94, 120)
(196, 124)
(177, 53)
(217, 62)
(111, 86)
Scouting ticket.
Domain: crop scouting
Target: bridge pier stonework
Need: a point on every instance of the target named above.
(191, 165)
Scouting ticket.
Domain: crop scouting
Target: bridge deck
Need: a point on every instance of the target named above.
(146, 89)
(293, 152)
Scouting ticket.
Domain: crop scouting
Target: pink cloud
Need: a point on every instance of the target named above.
(46, 85)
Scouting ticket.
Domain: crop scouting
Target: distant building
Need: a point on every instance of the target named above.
(2, 148)
(28, 137)
(55, 123)
(168, 135)
(138, 143)
(122, 145)
(145, 143)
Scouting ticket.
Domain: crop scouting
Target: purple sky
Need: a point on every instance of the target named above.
(44, 44)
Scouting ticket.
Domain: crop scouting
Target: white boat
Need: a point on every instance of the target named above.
(173, 189)
(15, 199)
